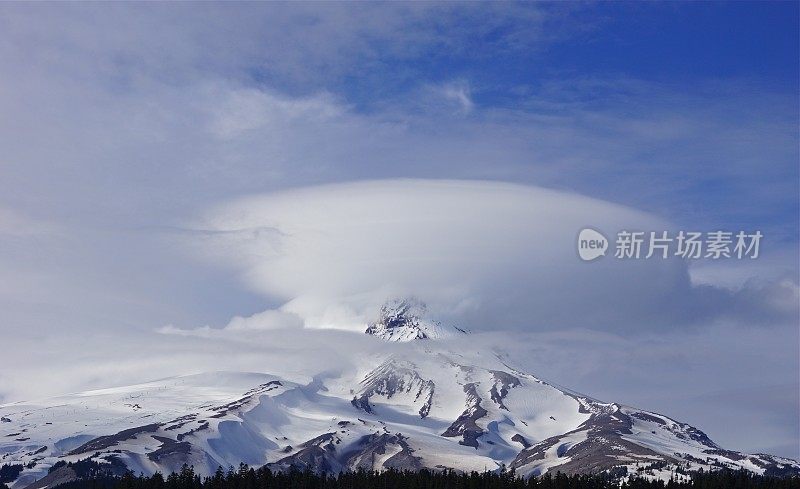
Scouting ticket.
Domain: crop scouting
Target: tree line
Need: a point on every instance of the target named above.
(262, 478)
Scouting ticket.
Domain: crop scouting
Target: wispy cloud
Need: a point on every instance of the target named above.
(268, 320)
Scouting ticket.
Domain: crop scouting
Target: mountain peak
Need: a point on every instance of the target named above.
(427, 409)
(405, 320)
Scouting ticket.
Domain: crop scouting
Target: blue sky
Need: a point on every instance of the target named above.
(736, 59)
(672, 42)
(132, 132)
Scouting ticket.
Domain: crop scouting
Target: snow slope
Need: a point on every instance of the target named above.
(430, 407)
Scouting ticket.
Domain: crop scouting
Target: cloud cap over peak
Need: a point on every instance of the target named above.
(484, 254)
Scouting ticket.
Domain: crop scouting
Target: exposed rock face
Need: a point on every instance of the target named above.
(170, 452)
(596, 445)
(503, 381)
(612, 437)
(61, 475)
(466, 425)
(317, 454)
(328, 453)
(102, 442)
(395, 378)
(405, 320)
(521, 440)
(383, 451)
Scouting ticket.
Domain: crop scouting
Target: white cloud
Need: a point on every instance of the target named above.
(488, 255)
(469, 248)
(238, 326)
(239, 111)
(300, 45)
(265, 321)
(460, 94)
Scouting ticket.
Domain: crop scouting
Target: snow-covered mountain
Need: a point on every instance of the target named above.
(405, 320)
(431, 407)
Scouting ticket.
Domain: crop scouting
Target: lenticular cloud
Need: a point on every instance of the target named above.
(483, 254)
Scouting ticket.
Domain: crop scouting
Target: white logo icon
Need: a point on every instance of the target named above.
(591, 244)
